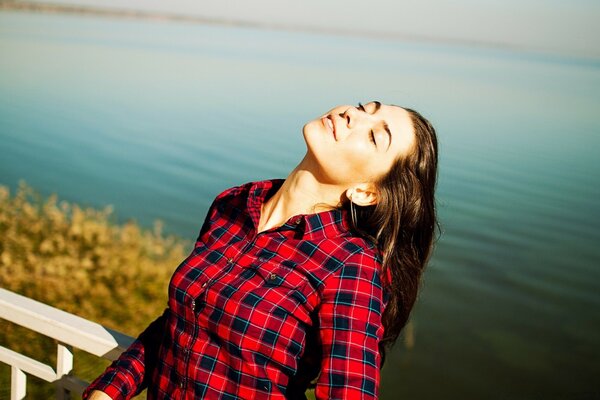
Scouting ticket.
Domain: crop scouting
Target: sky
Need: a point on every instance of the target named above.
(567, 27)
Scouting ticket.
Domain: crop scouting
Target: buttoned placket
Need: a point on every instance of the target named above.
(272, 277)
(195, 309)
(187, 349)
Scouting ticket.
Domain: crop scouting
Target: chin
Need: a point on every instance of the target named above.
(311, 133)
(311, 125)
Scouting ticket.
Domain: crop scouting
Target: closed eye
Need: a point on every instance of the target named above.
(371, 134)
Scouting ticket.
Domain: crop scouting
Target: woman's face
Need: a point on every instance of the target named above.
(354, 144)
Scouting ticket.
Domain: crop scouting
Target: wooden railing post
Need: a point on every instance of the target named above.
(18, 383)
(64, 366)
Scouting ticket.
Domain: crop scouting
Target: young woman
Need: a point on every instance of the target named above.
(298, 282)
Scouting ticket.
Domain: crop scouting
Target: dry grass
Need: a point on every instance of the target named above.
(81, 261)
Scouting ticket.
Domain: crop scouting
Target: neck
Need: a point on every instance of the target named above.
(301, 193)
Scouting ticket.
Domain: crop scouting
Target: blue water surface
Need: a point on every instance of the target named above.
(156, 118)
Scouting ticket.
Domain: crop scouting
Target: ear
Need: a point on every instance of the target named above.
(363, 194)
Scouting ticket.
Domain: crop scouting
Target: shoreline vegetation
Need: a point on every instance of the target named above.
(82, 261)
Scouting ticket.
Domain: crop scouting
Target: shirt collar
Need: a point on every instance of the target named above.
(324, 224)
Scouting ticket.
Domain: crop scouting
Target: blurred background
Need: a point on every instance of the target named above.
(152, 108)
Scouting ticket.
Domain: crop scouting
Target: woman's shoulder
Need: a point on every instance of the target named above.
(363, 253)
(351, 256)
(243, 190)
(357, 246)
(234, 191)
(358, 268)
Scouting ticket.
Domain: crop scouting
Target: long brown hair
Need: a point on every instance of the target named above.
(403, 225)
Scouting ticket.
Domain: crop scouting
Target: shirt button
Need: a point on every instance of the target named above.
(297, 221)
(182, 383)
(193, 305)
(230, 260)
(272, 276)
(204, 284)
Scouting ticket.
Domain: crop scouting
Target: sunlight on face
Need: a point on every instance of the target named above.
(352, 144)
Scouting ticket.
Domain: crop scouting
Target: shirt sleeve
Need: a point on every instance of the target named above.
(129, 374)
(350, 330)
(214, 210)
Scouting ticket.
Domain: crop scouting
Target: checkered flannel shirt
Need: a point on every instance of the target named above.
(259, 316)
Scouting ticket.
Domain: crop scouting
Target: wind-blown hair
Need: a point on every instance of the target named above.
(403, 225)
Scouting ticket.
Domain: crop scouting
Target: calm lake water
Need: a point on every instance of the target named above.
(157, 118)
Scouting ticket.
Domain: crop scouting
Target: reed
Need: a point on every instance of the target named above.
(81, 260)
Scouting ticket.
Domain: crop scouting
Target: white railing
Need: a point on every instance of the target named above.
(69, 330)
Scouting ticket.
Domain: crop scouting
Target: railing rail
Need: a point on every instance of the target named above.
(69, 330)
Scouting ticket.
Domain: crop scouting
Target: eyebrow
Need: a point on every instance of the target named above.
(385, 125)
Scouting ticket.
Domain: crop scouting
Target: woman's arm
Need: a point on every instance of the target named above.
(129, 374)
(350, 330)
(98, 395)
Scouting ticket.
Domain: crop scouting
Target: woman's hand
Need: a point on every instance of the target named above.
(98, 395)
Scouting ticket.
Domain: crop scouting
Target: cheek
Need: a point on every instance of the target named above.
(343, 165)
(367, 163)
(359, 159)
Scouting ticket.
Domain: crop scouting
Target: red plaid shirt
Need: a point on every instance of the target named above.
(258, 316)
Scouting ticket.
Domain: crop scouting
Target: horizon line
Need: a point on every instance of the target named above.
(240, 23)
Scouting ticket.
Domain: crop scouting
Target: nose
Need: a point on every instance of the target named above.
(350, 115)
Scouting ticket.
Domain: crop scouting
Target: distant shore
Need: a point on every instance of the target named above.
(197, 19)
(118, 13)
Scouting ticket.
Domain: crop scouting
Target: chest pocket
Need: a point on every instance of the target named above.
(282, 287)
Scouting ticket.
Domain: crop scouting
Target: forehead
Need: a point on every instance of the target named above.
(400, 125)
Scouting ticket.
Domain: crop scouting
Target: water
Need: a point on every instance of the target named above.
(157, 118)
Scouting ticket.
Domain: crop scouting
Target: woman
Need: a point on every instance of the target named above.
(304, 279)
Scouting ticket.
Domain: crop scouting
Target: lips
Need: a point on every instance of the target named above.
(329, 124)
